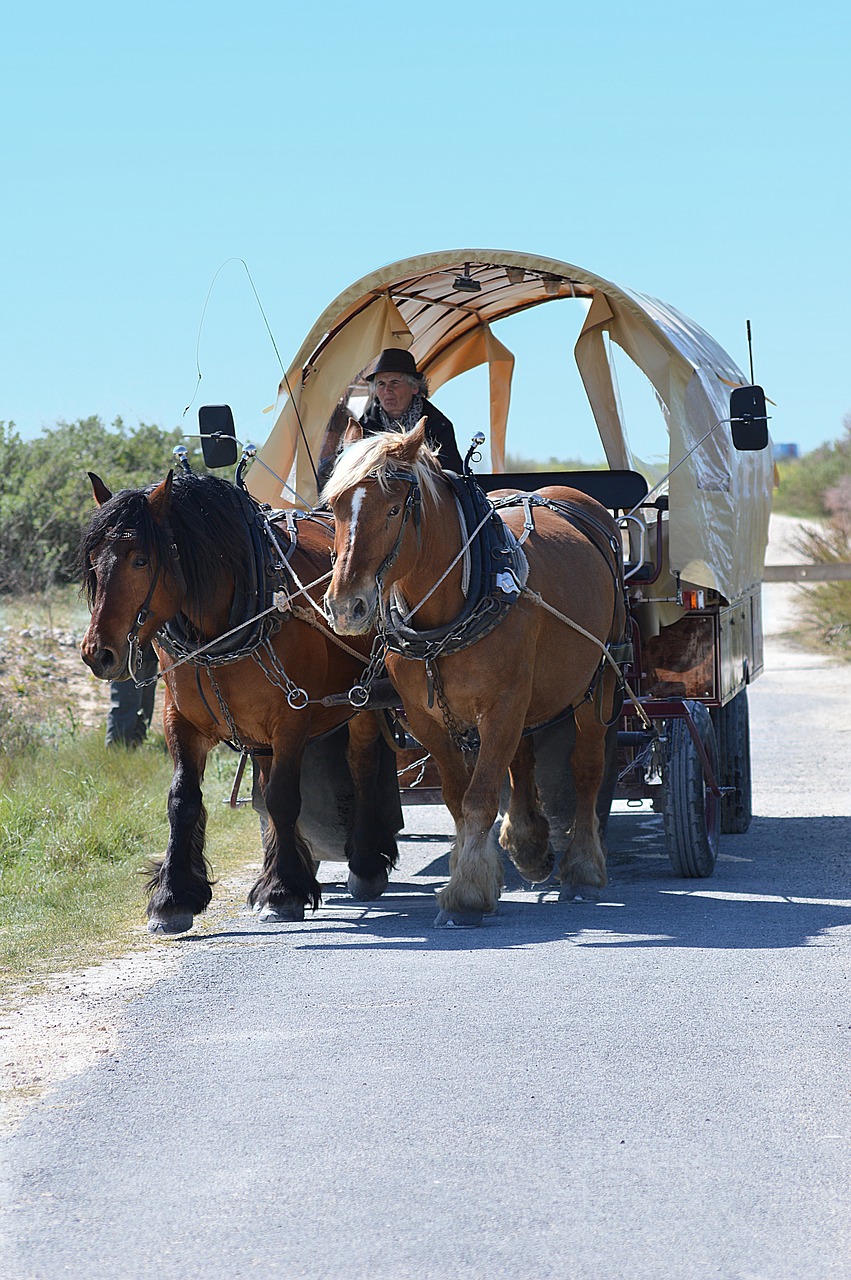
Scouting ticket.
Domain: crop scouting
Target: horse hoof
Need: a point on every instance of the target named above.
(282, 913)
(178, 922)
(459, 919)
(580, 893)
(534, 875)
(364, 890)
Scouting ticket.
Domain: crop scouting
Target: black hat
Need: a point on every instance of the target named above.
(394, 360)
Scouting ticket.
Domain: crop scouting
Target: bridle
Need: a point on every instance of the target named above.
(413, 507)
(134, 657)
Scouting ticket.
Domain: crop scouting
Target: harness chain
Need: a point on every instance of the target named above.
(464, 739)
(260, 648)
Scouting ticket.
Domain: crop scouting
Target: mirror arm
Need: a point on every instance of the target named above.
(683, 459)
(249, 454)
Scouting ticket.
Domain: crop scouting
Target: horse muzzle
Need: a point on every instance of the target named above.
(351, 614)
(104, 662)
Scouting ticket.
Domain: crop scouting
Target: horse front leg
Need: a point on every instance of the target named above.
(180, 883)
(525, 832)
(475, 882)
(371, 849)
(582, 866)
(288, 881)
(451, 764)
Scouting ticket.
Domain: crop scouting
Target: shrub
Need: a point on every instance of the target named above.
(806, 482)
(828, 604)
(46, 497)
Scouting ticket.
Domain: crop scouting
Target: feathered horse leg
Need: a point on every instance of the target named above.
(180, 884)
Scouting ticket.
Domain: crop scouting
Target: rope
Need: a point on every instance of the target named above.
(541, 602)
(280, 606)
(304, 615)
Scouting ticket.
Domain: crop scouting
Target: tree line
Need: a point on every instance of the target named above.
(46, 497)
(818, 484)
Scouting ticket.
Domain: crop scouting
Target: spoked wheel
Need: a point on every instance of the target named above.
(732, 730)
(692, 815)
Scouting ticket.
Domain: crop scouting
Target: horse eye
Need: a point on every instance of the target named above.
(394, 511)
(140, 562)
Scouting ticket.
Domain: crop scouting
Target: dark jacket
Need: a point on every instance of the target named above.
(439, 431)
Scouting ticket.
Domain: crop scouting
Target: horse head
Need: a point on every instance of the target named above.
(131, 574)
(375, 493)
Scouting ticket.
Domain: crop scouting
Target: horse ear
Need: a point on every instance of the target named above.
(159, 500)
(353, 433)
(413, 441)
(99, 489)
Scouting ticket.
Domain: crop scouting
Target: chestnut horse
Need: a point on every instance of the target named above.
(181, 558)
(526, 672)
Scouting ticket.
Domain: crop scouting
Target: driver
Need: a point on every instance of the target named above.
(397, 401)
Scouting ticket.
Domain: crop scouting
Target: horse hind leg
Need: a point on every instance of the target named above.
(371, 848)
(525, 832)
(582, 867)
(286, 885)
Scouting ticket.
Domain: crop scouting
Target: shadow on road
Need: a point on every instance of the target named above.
(785, 883)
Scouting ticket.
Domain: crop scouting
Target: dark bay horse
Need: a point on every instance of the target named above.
(397, 535)
(186, 558)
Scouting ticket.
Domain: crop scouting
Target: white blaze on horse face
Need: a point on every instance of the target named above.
(357, 502)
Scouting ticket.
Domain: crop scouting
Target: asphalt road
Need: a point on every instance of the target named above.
(655, 1086)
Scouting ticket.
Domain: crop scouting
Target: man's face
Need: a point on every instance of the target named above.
(394, 392)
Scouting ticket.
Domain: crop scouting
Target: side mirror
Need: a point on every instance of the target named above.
(748, 419)
(218, 435)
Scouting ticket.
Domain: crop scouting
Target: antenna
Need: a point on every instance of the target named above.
(750, 349)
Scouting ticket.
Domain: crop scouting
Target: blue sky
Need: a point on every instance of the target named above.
(695, 152)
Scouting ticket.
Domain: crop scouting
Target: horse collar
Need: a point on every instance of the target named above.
(498, 572)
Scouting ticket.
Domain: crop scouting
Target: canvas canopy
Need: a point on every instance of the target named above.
(719, 499)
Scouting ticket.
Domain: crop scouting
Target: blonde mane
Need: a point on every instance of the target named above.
(376, 457)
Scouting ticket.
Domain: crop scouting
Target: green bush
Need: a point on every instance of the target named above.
(807, 482)
(46, 497)
(828, 604)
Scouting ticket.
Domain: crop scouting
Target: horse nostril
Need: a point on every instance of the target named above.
(359, 608)
(101, 662)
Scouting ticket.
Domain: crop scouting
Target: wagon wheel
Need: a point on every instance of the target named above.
(732, 730)
(692, 812)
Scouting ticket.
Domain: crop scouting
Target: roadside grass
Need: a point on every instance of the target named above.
(60, 606)
(78, 823)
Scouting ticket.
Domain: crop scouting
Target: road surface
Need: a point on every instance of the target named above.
(655, 1086)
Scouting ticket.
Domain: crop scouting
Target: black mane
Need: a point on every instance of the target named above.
(208, 519)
